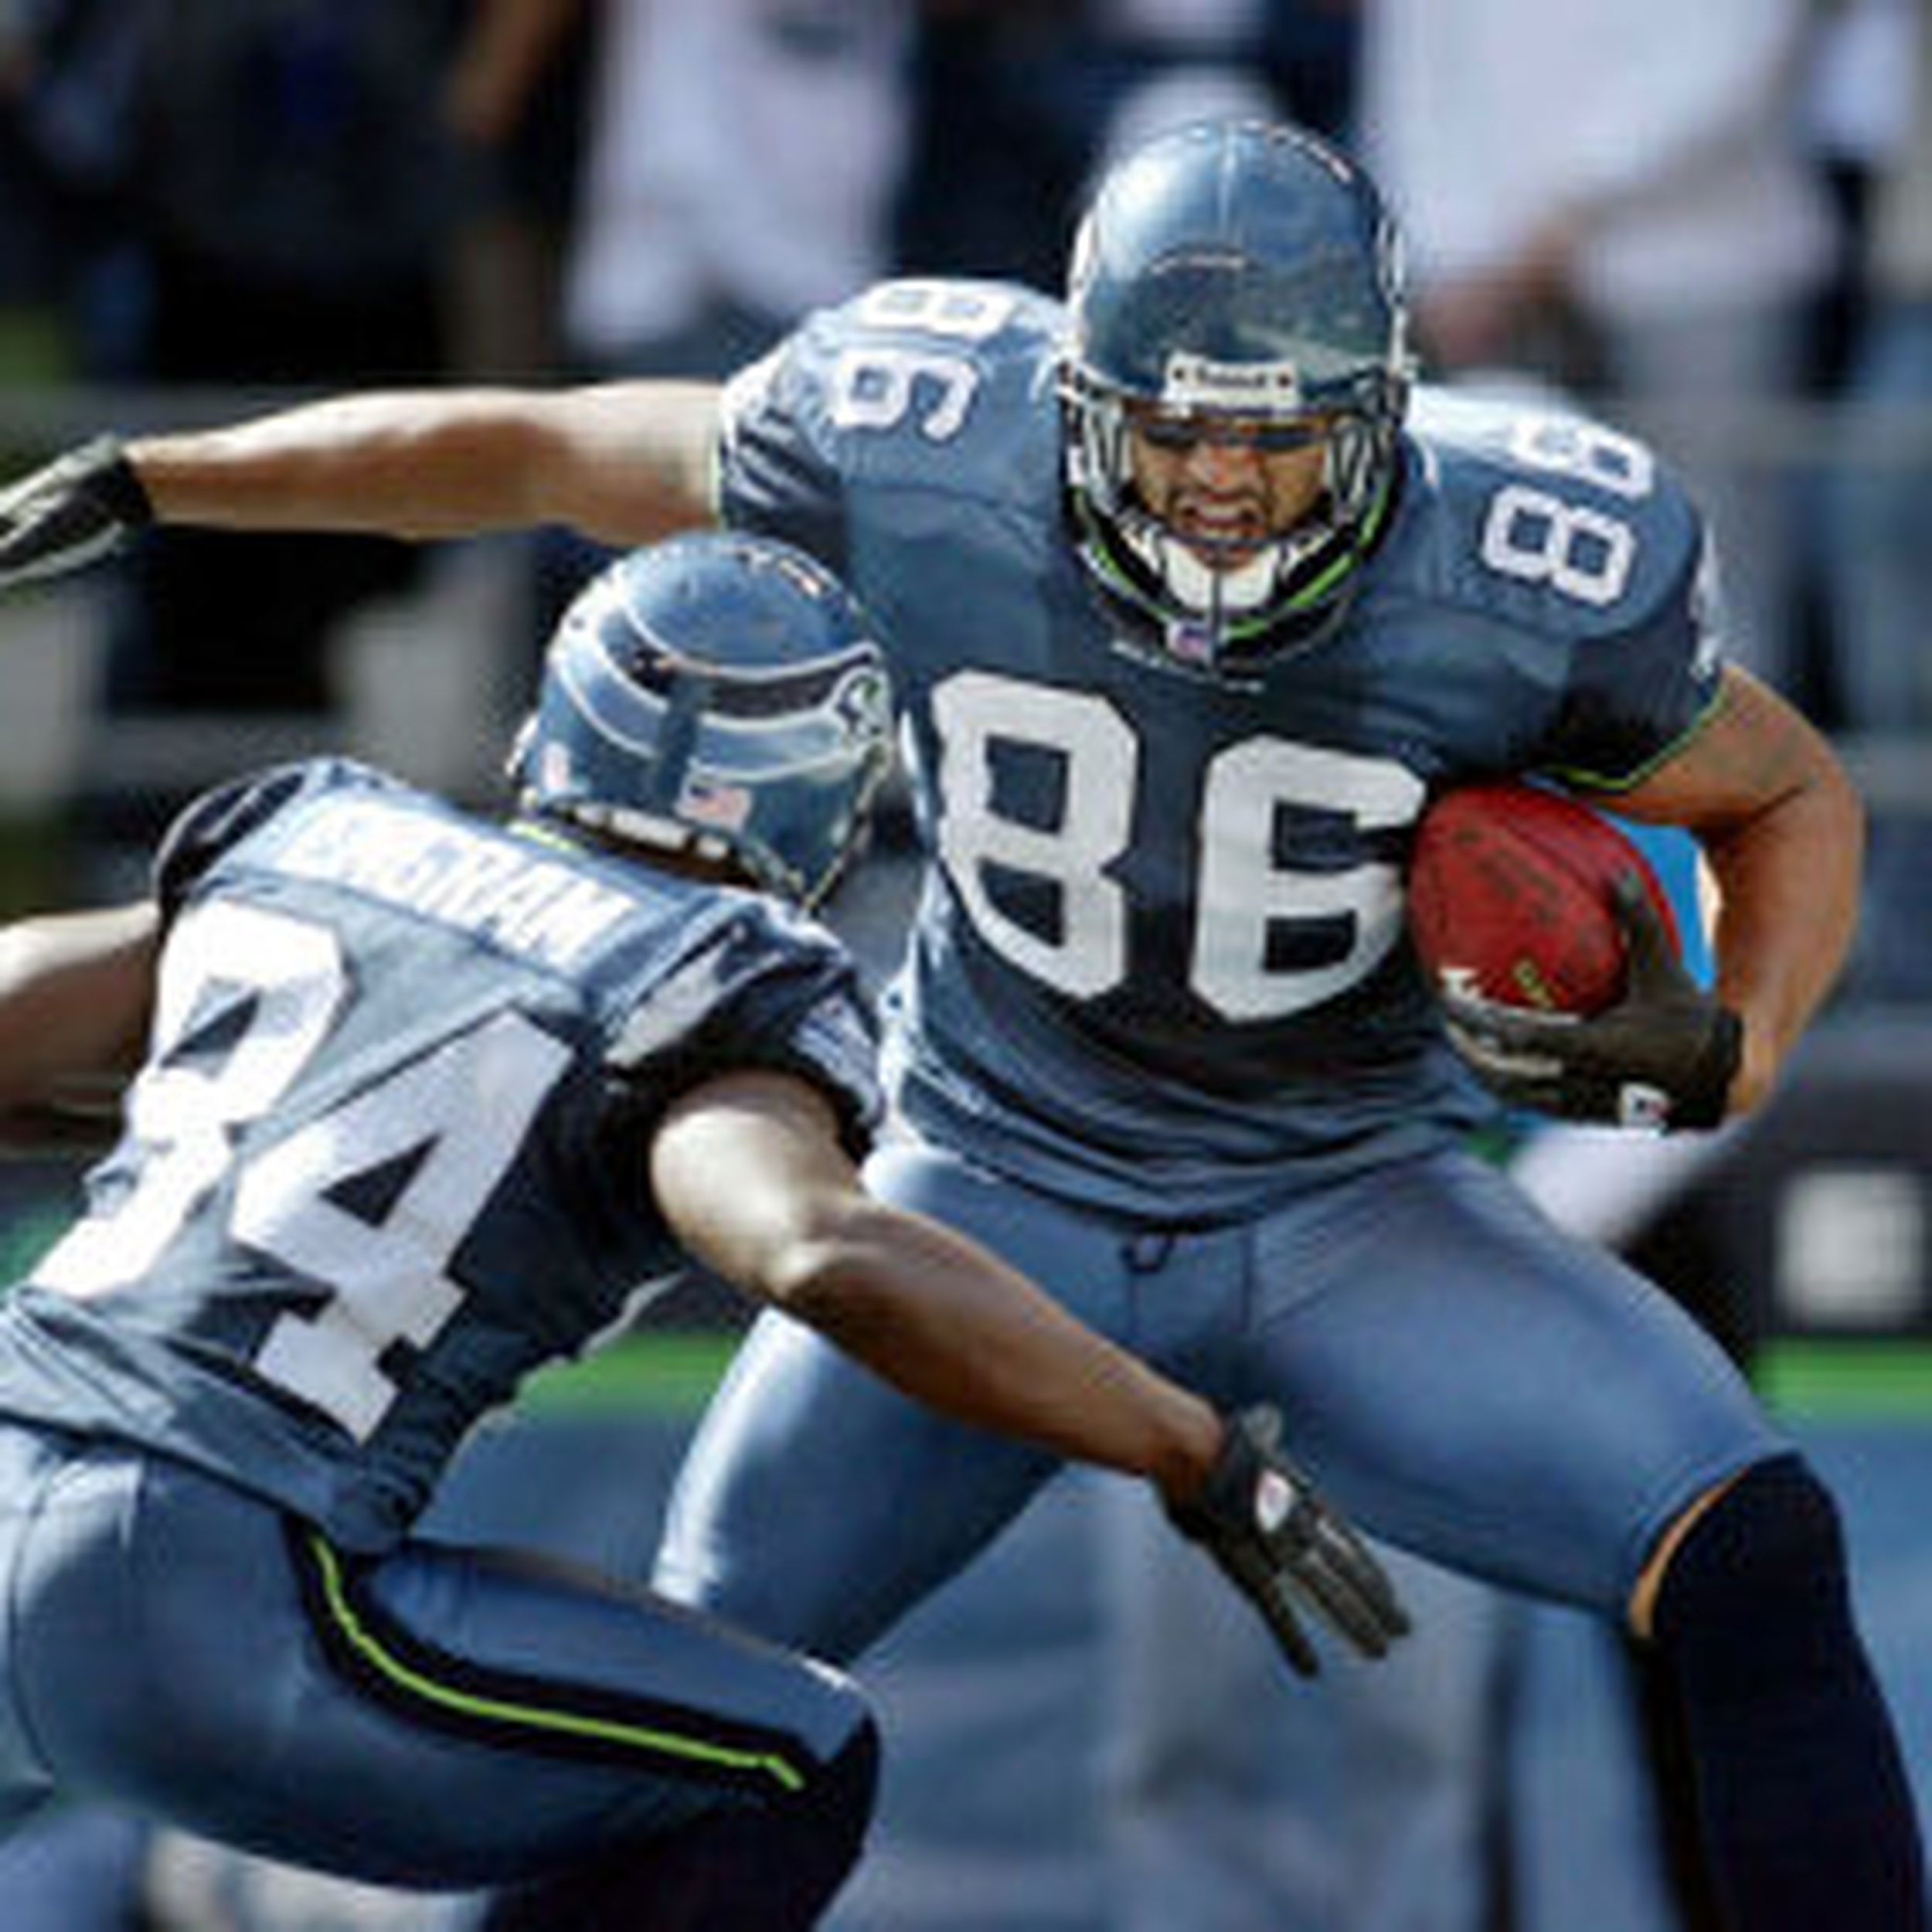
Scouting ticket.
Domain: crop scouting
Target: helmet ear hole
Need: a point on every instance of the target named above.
(1250, 270)
(719, 696)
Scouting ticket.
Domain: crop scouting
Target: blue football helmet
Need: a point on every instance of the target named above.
(1249, 270)
(718, 695)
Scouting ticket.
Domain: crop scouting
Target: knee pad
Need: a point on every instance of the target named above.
(1760, 1580)
(841, 1799)
(777, 1866)
(798, 1856)
(1805, 1807)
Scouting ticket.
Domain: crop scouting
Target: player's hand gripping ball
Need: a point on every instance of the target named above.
(1556, 958)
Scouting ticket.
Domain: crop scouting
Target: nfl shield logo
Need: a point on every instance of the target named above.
(1190, 643)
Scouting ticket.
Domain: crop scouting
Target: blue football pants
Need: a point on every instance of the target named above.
(1469, 1382)
(443, 1717)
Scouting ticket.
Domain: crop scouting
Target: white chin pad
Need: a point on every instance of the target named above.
(1210, 592)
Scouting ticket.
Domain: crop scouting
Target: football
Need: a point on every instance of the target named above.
(1510, 897)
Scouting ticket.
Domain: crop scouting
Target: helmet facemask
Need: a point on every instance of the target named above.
(1245, 272)
(1274, 591)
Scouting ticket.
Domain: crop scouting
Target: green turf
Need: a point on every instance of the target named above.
(1882, 1380)
(672, 1372)
(666, 1373)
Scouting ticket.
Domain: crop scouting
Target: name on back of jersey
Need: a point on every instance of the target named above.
(549, 912)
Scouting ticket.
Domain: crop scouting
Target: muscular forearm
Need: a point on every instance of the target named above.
(625, 463)
(938, 1318)
(1788, 886)
(748, 1170)
(1784, 832)
(416, 463)
(76, 990)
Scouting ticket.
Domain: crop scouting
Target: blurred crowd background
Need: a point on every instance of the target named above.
(1711, 222)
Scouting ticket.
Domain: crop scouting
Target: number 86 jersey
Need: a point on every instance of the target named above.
(1159, 963)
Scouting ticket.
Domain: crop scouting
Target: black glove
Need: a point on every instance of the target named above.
(1665, 1055)
(82, 506)
(1279, 1544)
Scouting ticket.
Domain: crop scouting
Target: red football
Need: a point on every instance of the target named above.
(1509, 895)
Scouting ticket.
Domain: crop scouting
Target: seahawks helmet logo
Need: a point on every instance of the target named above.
(862, 705)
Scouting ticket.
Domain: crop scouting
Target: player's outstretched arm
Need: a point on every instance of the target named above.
(749, 1172)
(76, 992)
(624, 463)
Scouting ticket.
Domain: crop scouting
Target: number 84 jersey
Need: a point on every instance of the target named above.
(1159, 962)
(386, 1155)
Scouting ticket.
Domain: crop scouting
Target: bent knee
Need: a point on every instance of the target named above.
(842, 1796)
(1770, 1527)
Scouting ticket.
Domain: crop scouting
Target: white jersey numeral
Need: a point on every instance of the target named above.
(285, 980)
(1585, 553)
(1243, 891)
(876, 385)
(467, 1107)
(452, 1121)
(1100, 759)
(1538, 537)
(1591, 452)
(961, 312)
(1244, 896)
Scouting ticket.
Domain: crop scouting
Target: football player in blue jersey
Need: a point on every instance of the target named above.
(419, 1102)
(1194, 598)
